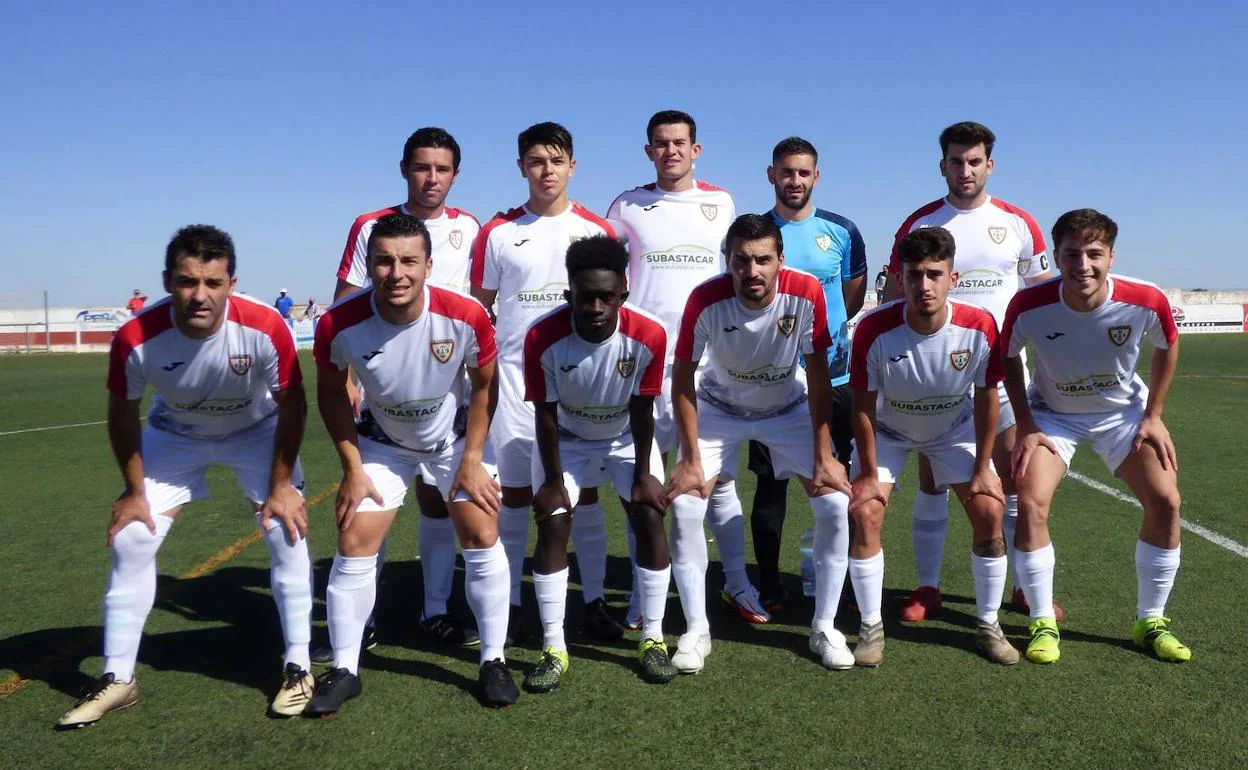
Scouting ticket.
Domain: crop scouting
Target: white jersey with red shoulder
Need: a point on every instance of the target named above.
(1085, 362)
(411, 374)
(924, 381)
(675, 242)
(997, 244)
(753, 355)
(205, 388)
(450, 235)
(593, 382)
(522, 256)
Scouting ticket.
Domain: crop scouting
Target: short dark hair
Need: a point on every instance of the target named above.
(793, 145)
(927, 243)
(598, 252)
(967, 134)
(400, 226)
(545, 135)
(1088, 224)
(671, 117)
(203, 241)
(754, 227)
(436, 138)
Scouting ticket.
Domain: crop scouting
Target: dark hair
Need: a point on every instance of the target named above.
(598, 252)
(794, 145)
(671, 117)
(203, 241)
(400, 226)
(436, 138)
(753, 227)
(1087, 224)
(924, 244)
(967, 134)
(545, 135)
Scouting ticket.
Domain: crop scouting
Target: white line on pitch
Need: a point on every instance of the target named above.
(1196, 529)
(51, 427)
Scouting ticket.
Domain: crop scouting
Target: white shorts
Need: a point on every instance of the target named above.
(788, 435)
(392, 469)
(174, 466)
(952, 457)
(1112, 433)
(511, 431)
(584, 463)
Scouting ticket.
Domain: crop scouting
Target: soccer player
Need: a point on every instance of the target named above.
(915, 365)
(997, 245)
(593, 368)
(430, 167)
(228, 391)
(829, 247)
(1085, 328)
(410, 344)
(753, 325)
(518, 260)
(675, 231)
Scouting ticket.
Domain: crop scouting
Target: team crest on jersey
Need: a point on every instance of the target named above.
(785, 324)
(997, 234)
(456, 238)
(626, 366)
(710, 211)
(960, 358)
(442, 350)
(824, 242)
(240, 364)
(1119, 335)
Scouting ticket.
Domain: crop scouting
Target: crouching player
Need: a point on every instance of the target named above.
(915, 365)
(408, 343)
(753, 324)
(593, 369)
(1085, 328)
(228, 391)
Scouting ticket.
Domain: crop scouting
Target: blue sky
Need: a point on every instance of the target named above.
(282, 122)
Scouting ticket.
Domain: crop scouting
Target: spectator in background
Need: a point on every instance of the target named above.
(312, 311)
(283, 304)
(136, 301)
(881, 281)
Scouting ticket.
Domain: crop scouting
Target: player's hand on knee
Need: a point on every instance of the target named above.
(473, 480)
(687, 479)
(551, 499)
(130, 507)
(1155, 433)
(649, 491)
(865, 489)
(1024, 447)
(830, 474)
(356, 487)
(985, 482)
(288, 506)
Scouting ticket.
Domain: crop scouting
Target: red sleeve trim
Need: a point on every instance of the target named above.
(463, 308)
(586, 214)
(348, 253)
(1148, 296)
(1037, 236)
(806, 286)
(254, 315)
(352, 310)
(148, 324)
(894, 262)
(545, 331)
(879, 321)
(1027, 298)
(703, 296)
(980, 320)
(650, 333)
(476, 257)
(708, 187)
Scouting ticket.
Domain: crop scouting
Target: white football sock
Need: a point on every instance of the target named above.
(867, 577)
(1009, 525)
(131, 593)
(831, 554)
(349, 603)
(290, 579)
(653, 589)
(589, 538)
(689, 560)
(1155, 569)
(1034, 571)
(513, 530)
(437, 563)
(989, 572)
(727, 523)
(928, 527)
(552, 603)
(486, 586)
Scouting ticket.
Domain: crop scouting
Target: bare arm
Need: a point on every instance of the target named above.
(343, 289)
(471, 476)
(854, 291)
(338, 415)
(1160, 377)
(687, 476)
(551, 498)
(828, 474)
(1017, 391)
(283, 500)
(126, 437)
(987, 412)
(486, 297)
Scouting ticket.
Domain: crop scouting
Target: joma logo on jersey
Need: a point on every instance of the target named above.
(626, 366)
(240, 364)
(1119, 335)
(455, 238)
(442, 350)
(960, 358)
(824, 242)
(997, 234)
(710, 211)
(785, 324)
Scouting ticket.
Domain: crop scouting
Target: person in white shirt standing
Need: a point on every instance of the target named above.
(518, 262)
(229, 392)
(753, 325)
(916, 363)
(1086, 328)
(675, 230)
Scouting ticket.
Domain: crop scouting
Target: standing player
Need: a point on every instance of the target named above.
(829, 247)
(997, 244)
(593, 368)
(675, 231)
(1085, 328)
(410, 344)
(754, 324)
(430, 166)
(919, 360)
(518, 259)
(228, 391)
